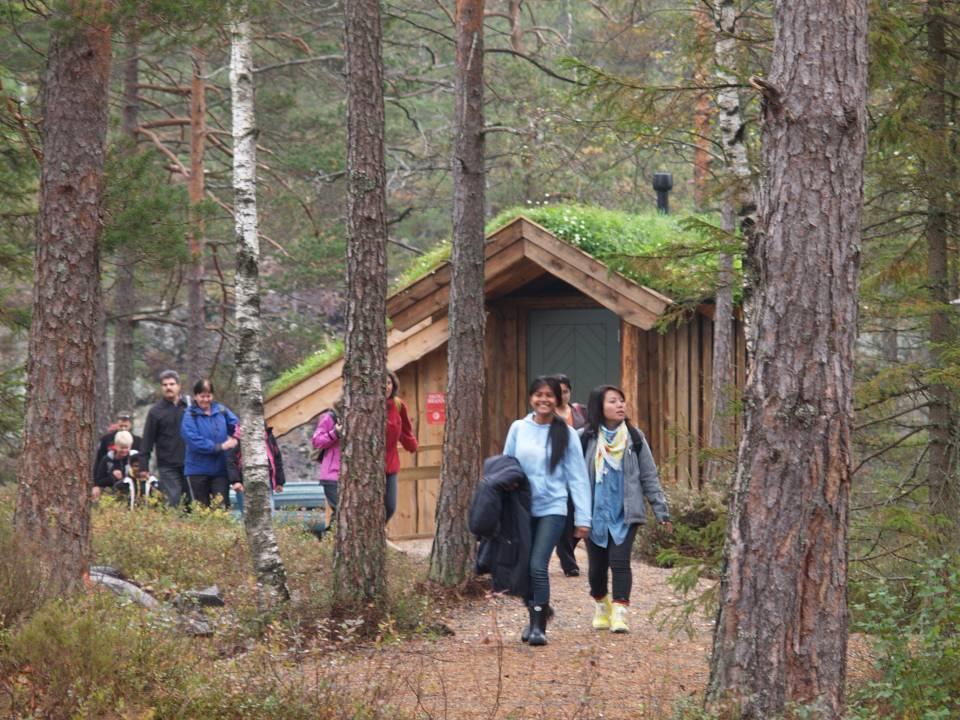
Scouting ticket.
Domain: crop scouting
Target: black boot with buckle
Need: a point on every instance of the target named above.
(538, 625)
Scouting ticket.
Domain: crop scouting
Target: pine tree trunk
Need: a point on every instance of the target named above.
(196, 305)
(452, 554)
(360, 548)
(125, 290)
(53, 499)
(257, 511)
(942, 468)
(781, 634)
(701, 117)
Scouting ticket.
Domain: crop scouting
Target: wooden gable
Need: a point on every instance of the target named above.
(518, 253)
(515, 255)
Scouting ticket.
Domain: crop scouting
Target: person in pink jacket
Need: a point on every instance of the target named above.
(326, 439)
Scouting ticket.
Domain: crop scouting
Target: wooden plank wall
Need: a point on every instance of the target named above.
(674, 394)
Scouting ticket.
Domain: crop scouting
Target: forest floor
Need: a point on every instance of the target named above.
(482, 670)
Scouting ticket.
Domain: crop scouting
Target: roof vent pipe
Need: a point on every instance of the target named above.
(663, 184)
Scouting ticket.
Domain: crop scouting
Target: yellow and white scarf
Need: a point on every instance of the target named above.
(610, 452)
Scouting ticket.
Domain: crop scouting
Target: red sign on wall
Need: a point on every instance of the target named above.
(436, 408)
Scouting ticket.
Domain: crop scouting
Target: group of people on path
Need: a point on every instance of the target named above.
(194, 443)
(567, 475)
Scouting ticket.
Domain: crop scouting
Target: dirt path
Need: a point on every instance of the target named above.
(484, 671)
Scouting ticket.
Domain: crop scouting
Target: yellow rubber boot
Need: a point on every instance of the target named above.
(618, 619)
(601, 614)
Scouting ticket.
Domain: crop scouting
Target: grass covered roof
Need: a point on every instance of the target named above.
(672, 254)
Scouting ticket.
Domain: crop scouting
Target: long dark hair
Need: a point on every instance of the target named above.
(595, 409)
(559, 434)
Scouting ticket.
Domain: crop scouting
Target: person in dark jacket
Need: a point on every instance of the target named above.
(208, 430)
(575, 415)
(120, 462)
(622, 474)
(124, 422)
(500, 517)
(161, 438)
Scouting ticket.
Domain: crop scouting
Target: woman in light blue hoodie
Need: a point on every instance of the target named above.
(549, 452)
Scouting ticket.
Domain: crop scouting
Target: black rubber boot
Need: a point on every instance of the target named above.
(538, 625)
(525, 633)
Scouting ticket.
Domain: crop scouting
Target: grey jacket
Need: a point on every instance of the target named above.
(640, 481)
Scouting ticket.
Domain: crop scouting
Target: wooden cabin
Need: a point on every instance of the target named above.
(550, 308)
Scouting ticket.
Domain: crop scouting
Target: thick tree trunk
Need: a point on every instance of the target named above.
(781, 635)
(360, 548)
(125, 290)
(196, 305)
(257, 512)
(452, 554)
(942, 469)
(53, 499)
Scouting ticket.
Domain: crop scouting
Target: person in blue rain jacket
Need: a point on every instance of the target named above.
(208, 430)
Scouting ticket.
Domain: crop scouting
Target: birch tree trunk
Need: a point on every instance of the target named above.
(196, 304)
(360, 548)
(257, 511)
(737, 201)
(53, 500)
(942, 468)
(781, 635)
(452, 554)
(124, 298)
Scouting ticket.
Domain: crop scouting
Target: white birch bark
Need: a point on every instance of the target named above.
(269, 569)
(738, 199)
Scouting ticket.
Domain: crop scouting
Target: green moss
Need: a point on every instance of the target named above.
(675, 255)
(333, 350)
(422, 266)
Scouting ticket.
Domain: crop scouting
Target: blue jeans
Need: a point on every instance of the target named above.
(331, 491)
(390, 499)
(545, 532)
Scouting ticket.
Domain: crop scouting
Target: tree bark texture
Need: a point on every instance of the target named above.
(360, 547)
(942, 469)
(452, 554)
(196, 297)
(722, 422)
(53, 500)
(257, 511)
(125, 290)
(782, 627)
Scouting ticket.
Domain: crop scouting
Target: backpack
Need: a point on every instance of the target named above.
(317, 454)
(635, 435)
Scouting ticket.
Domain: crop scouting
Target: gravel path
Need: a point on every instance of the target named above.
(484, 671)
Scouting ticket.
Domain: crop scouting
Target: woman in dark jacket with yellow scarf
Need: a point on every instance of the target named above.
(622, 473)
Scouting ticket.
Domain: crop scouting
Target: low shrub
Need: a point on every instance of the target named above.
(915, 629)
(22, 583)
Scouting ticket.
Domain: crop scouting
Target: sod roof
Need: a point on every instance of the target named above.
(674, 255)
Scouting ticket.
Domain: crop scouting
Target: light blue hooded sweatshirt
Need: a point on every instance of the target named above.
(529, 443)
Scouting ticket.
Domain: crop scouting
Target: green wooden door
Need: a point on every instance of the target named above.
(584, 344)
